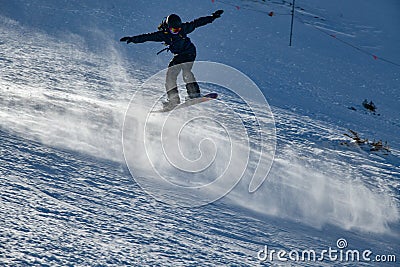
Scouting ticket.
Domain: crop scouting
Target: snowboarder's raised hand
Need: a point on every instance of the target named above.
(217, 13)
(128, 39)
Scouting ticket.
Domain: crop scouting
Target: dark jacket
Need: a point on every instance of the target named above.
(178, 43)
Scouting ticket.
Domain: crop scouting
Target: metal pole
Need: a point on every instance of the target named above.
(291, 26)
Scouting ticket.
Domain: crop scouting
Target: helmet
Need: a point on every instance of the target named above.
(174, 21)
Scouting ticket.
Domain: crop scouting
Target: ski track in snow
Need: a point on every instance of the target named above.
(67, 198)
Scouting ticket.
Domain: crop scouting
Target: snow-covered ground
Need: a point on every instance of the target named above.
(67, 194)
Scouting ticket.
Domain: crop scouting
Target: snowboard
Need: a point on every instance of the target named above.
(190, 102)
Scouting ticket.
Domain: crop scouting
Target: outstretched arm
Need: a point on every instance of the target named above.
(154, 36)
(191, 26)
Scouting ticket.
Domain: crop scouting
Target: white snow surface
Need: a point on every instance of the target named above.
(67, 197)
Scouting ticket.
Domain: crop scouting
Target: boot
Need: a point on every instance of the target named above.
(172, 101)
(170, 104)
(193, 90)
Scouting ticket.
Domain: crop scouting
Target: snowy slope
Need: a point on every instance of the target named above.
(67, 196)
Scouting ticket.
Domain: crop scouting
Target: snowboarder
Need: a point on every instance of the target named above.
(174, 34)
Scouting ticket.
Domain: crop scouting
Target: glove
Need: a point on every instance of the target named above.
(127, 39)
(217, 13)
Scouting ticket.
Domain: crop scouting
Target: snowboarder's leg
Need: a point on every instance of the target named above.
(170, 83)
(192, 86)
